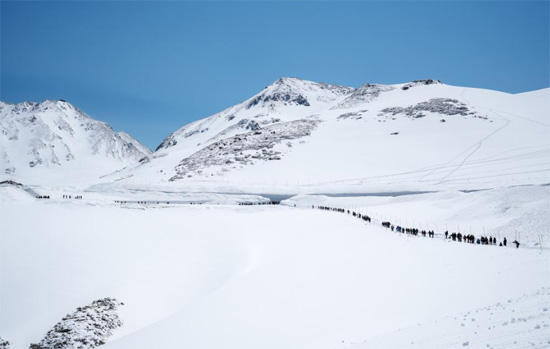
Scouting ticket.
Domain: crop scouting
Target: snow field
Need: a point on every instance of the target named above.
(248, 277)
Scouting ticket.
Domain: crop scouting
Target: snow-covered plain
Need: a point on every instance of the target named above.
(257, 276)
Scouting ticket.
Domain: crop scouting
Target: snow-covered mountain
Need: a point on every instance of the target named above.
(318, 136)
(131, 140)
(53, 141)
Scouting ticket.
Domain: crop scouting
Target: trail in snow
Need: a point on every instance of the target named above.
(476, 147)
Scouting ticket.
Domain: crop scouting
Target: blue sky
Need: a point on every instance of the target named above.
(148, 68)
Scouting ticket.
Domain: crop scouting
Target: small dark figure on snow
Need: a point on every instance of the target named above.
(517, 243)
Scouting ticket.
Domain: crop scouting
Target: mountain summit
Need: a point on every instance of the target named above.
(294, 91)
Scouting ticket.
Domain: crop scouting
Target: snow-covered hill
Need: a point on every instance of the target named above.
(53, 141)
(302, 136)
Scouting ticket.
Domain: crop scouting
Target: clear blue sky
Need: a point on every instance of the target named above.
(148, 68)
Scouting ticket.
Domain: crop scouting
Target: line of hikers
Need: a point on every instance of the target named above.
(411, 231)
(142, 202)
(341, 210)
(42, 196)
(145, 202)
(482, 240)
(200, 203)
(271, 202)
(71, 197)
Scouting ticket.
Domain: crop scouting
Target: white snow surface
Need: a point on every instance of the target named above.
(513, 213)
(257, 276)
(53, 142)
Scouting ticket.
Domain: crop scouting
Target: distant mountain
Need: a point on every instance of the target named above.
(414, 134)
(55, 140)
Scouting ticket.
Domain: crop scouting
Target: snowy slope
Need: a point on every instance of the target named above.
(53, 142)
(131, 140)
(301, 136)
(513, 212)
(253, 277)
(522, 322)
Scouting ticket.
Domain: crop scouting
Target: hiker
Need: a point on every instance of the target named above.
(504, 242)
(446, 234)
(516, 242)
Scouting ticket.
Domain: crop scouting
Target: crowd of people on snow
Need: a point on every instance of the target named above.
(71, 197)
(64, 197)
(341, 210)
(151, 202)
(411, 231)
(481, 240)
(467, 238)
(271, 202)
(259, 203)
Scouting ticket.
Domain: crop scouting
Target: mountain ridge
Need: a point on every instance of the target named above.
(379, 124)
(41, 136)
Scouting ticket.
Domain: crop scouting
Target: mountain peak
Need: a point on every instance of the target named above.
(421, 82)
(47, 104)
(287, 79)
(298, 92)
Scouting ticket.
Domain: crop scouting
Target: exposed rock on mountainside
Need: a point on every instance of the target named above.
(352, 115)
(441, 106)
(364, 94)
(131, 140)
(88, 327)
(4, 344)
(245, 149)
(420, 82)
